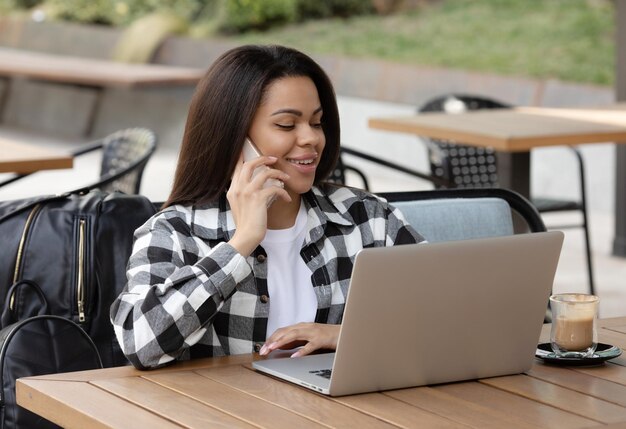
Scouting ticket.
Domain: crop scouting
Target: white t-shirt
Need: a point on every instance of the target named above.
(292, 298)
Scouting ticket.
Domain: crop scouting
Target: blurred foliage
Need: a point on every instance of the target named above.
(571, 40)
(245, 15)
(226, 16)
(241, 15)
(329, 8)
(143, 37)
(7, 5)
(119, 12)
(563, 39)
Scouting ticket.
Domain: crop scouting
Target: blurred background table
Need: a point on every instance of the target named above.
(91, 73)
(515, 132)
(22, 158)
(227, 392)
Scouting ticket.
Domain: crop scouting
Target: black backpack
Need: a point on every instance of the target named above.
(38, 345)
(75, 248)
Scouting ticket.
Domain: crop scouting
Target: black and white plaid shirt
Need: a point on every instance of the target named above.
(190, 294)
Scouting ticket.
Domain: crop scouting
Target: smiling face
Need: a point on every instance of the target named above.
(288, 125)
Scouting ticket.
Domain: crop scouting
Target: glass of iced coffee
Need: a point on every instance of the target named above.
(573, 333)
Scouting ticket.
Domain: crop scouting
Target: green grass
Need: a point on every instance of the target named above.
(571, 40)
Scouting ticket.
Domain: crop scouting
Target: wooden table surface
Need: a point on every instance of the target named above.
(21, 158)
(98, 75)
(515, 132)
(226, 392)
(518, 129)
(92, 72)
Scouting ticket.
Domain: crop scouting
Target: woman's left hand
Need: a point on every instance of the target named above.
(312, 336)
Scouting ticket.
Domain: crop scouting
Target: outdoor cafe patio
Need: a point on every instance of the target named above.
(228, 392)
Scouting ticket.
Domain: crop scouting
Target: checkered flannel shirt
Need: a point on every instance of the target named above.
(190, 294)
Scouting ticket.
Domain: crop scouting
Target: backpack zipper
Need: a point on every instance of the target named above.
(20, 250)
(80, 287)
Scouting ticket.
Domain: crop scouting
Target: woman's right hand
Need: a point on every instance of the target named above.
(249, 201)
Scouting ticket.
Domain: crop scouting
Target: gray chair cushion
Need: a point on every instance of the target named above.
(458, 218)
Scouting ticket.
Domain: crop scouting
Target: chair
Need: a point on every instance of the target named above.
(338, 175)
(458, 214)
(125, 154)
(474, 167)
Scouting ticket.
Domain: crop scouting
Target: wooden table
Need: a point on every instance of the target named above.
(92, 73)
(227, 392)
(22, 158)
(514, 132)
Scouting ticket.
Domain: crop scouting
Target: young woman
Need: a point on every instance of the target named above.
(232, 266)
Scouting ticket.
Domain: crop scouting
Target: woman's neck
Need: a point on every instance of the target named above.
(281, 214)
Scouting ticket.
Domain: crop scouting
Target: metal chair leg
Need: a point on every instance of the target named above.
(592, 288)
(583, 198)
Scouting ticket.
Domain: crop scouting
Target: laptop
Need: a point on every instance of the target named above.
(423, 314)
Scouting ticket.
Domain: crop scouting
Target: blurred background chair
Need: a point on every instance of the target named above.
(125, 154)
(338, 175)
(462, 166)
(461, 214)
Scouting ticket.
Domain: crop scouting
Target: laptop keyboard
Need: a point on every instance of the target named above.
(322, 372)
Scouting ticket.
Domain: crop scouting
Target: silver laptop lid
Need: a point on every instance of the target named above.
(433, 313)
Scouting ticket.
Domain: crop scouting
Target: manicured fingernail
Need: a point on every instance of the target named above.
(273, 158)
(296, 354)
(263, 350)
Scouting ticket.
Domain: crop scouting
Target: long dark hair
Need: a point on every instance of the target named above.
(221, 113)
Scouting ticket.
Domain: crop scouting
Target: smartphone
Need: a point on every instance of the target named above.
(250, 152)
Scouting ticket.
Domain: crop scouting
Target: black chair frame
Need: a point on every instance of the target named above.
(109, 177)
(338, 175)
(137, 165)
(517, 202)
